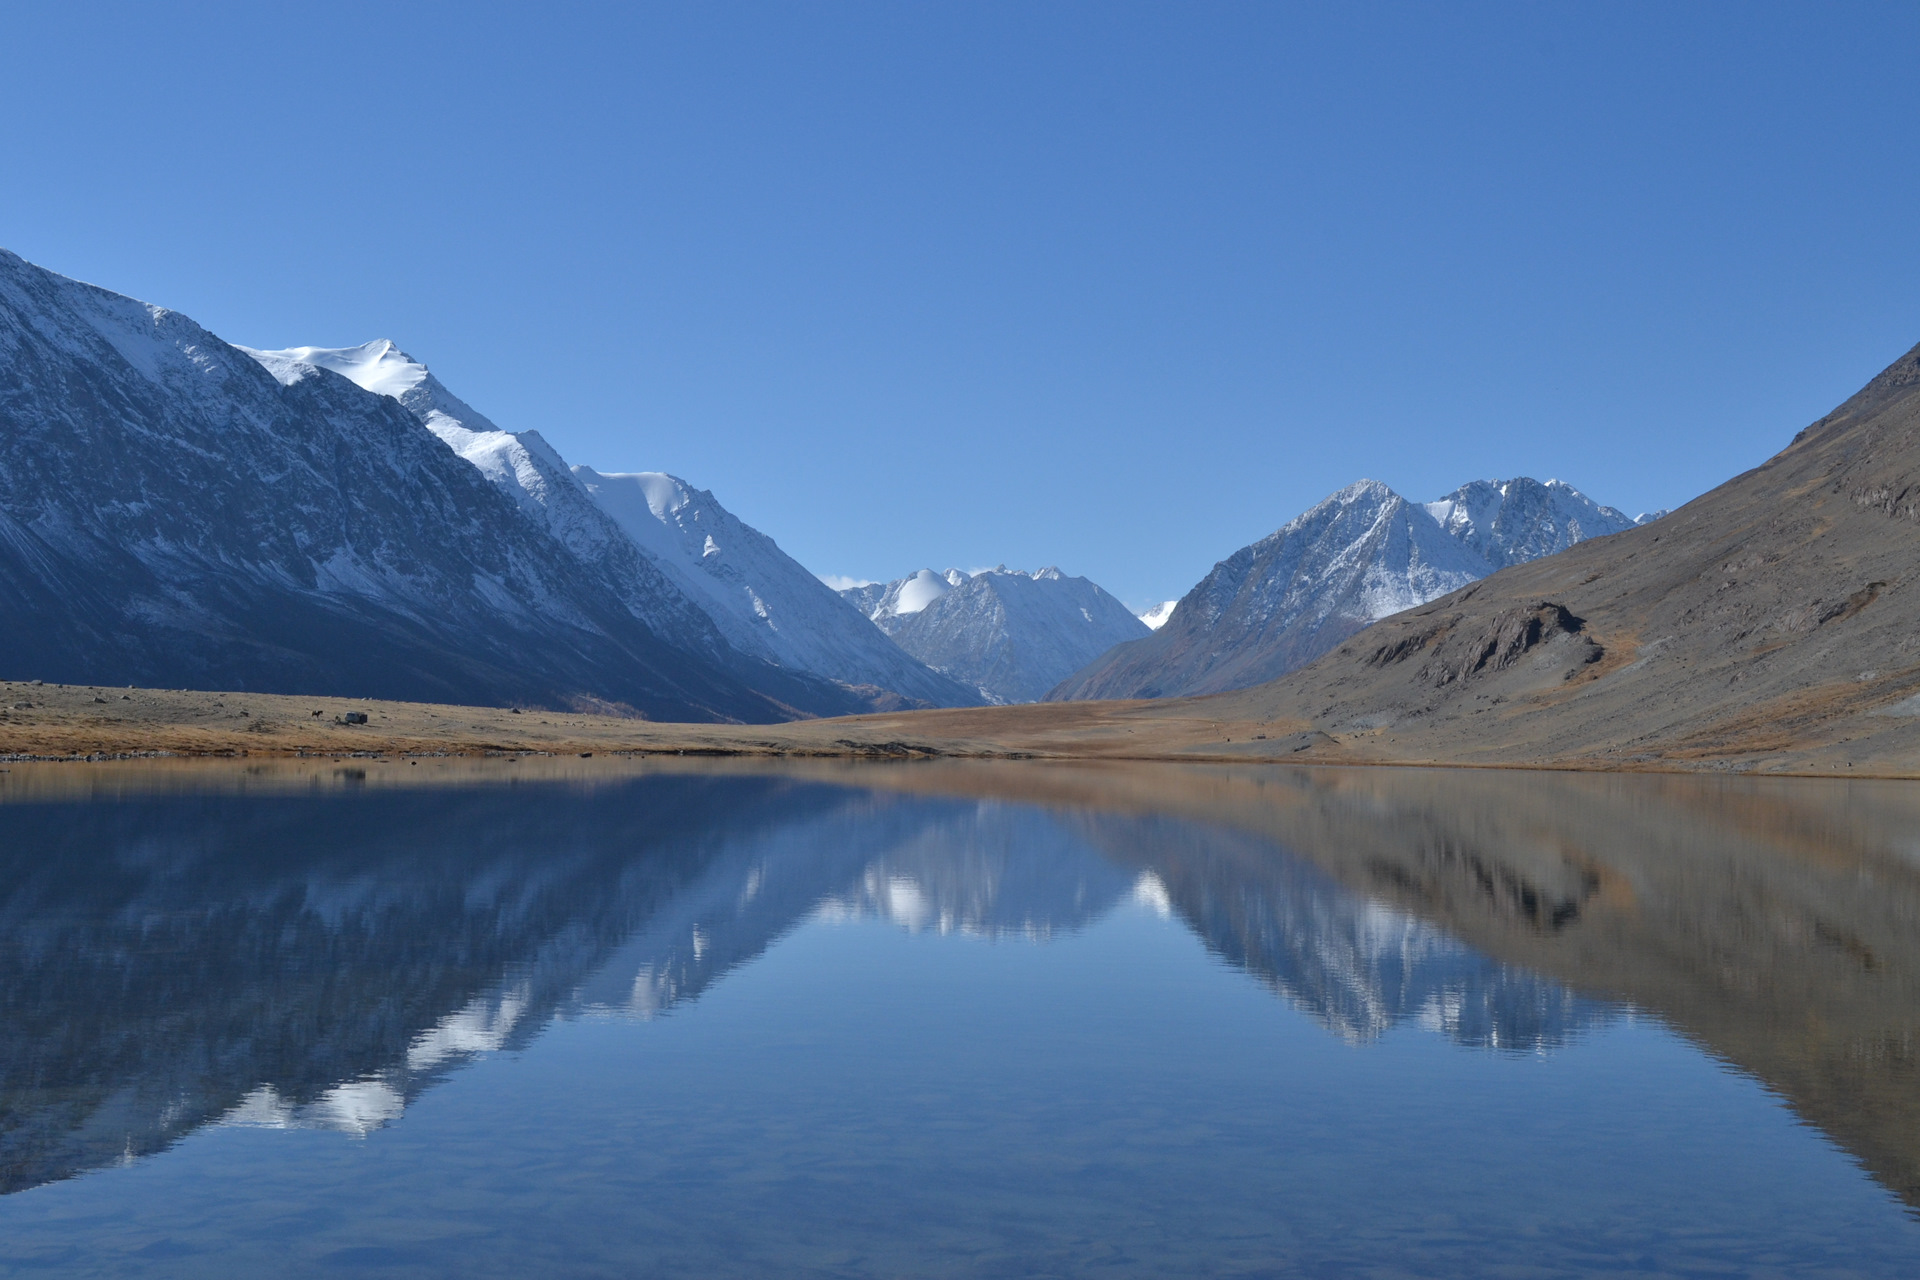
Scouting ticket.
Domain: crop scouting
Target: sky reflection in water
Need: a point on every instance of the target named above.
(963, 1023)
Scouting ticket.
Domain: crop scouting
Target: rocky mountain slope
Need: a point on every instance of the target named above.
(1363, 554)
(1012, 635)
(174, 514)
(1513, 521)
(656, 537)
(1775, 616)
(763, 600)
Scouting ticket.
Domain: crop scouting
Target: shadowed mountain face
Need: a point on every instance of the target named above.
(167, 963)
(172, 514)
(1775, 619)
(682, 563)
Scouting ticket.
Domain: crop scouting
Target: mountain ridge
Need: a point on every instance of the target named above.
(1012, 635)
(699, 597)
(777, 608)
(1359, 555)
(1771, 623)
(173, 514)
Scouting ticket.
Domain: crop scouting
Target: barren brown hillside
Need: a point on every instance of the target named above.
(1776, 618)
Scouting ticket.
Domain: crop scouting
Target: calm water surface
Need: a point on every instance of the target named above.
(966, 1021)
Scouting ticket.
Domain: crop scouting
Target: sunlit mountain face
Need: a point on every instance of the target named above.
(319, 960)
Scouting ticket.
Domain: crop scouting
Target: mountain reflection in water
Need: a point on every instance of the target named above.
(319, 959)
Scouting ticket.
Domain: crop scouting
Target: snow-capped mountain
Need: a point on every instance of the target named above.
(1513, 521)
(889, 604)
(1362, 554)
(1156, 617)
(762, 599)
(683, 563)
(1013, 635)
(524, 467)
(172, 513)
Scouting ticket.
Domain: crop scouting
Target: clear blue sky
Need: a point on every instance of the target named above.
(1113, 287)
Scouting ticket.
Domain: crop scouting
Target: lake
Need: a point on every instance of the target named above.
(618, 1018)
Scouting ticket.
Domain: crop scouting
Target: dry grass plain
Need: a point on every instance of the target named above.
(67, 722)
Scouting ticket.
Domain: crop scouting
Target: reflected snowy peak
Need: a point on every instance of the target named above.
(159, 974)
(1358, 967)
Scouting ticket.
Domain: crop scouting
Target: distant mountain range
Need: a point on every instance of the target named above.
(764, 601)
(1362, 554)
(1011, 635)
(721, 575)
(178, 511)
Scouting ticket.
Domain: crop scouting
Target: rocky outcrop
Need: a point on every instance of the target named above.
(1460, 648)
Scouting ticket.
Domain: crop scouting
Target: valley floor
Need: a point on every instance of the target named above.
(43, 721)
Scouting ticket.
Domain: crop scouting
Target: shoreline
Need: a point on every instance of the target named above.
(44, 724)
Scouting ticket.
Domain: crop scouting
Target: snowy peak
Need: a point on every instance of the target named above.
(378, 366)
(1010, 633)
(1358, 556)
(1513, 521)
(889, 604)
(921, 590)
(1156, 617)
(686, 565)
(520, 464)
(383, 368)
(1362, 553)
